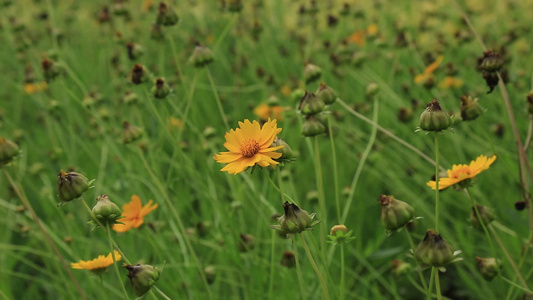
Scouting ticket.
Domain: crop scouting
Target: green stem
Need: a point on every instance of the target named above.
(432, 278)
(483, 225)
(225, 31)
(342, 283)
(160, 293)
(321, 200)
(420, 274)
(437, 284)
(298, 269)
(217, 98)
(437, 191)
(272, 263)
(28, 206)
(117, 272)
(335, 175)
(315, 267)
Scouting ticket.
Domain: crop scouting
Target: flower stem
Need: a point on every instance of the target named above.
(217, 98)
(315, 267)
(24, 199)
(422, 279)
(335, 175)
(483, 225)
(437, 192)
(160, 292)
(108, 229)
(321, 200)
(342, 283)
(437, 284)
(298, 269)
(271, 278)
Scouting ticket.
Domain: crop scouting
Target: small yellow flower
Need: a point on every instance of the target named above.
(358, 38)
(459, 173)
(32, 88)
(451, 82)
(98, 264)
(264, 112)
(428, 72)
(174, 123)
(372, 29)
(134, 214)
(249, 145)
(286, 90)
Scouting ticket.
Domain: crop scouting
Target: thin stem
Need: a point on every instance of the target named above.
(437, 191)
(432, 278)
(342, 283)
(437, 284)
(160, 293)
(117, 272)
(28, 206)
(217, 98)
(335, 172)
(272, 263)
(422, 279)
(225, 31)
(298, 269)
(188, 106)
(387, 133)
(315, 267)
(483, 225)
(321, 199)
(527, 142)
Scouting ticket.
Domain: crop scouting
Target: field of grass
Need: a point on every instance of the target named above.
(81, 91)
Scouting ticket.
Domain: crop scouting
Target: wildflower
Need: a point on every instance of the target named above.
(142, 277)
(249, 145)
(295, 220)
(97, 265)
(265, 111)
(394, 213)
(434, 251)
(32, 88)
(434, 118)
(428, 72)
(372, 30)
(460, 173)
(451, 82)
(106, 211)
(71, 185)
(133, 214)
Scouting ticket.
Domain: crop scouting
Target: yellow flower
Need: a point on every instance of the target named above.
(459, 173)
(357, 37)
(451, 82)
(250, 145)
(286, 90)
(264, 112)
(428, 72)
(174, 123)
(32, 88)
(98, 264)
(134, 214)
(372, 29)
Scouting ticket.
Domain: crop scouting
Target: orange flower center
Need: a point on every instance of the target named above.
(249, 148)
(461, 170)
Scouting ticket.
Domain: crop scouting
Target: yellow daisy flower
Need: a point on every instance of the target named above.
(133, 214)
(250, 145)
(98, 264)
(460, 173)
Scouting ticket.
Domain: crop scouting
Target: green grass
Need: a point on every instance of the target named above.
(175, 167)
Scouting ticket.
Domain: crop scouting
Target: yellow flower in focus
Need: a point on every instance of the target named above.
(428, 72)
(250, 145)
(451, 82)
(264, 112)
(459, 173)
(134, 214)
(98, 264)
(32, 88)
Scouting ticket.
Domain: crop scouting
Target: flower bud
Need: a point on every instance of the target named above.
(288, 259)
(339, 234)
(491, 61)
(71, 185)
(286, 152)
(297, 95)
(210, 274)
(311, 72)
(156, 32)
(486, 215)
(434, 250)
(405, 114)
(138, 74)
(106, 211)
(166, 15)
(160, 89)
(311, 104)
(470, 108)
(326, 93)
(295, 220)
(371, 89)
(8, 150)
(491, 79)
(489, 267)
(434, 118)
(338, 229)
(50, 69)
(246, 243)
(312, 127)
(358, 58)
(142, 277)
(395, 213)
(130, 133)
(201, 56)
(400, 267)
(134, 50)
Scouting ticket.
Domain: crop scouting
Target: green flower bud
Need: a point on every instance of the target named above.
(130, 133)
(312, 127)
(371, 89)
(295, 220)
(8, 150)
(71, 185)
(134, 50)
(246, 243)
(288, 259)
(434, 250)
(138, 74)
(405, 114)
(166, 15)
(434, 118)
(297, 95)
(489, 267)
(311, 72)
(491, 61)
(142, 277)
(486, 215)
(400, 267)
(129, 97)
(339, 234)
(470, 108)
(160, 89)
(210, 274)
(201, 56)
(395, 213)
(156, 32)
(358, 58)
(311, 104)
(326, 94)
(272, 101)
(286, 152)
(106, 211)
(50, 69)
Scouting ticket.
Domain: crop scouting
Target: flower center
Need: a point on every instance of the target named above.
(458, 172)
(249, 148)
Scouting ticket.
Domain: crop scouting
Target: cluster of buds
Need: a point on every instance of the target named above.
(490, 64)
(295, 220)
(434, 118)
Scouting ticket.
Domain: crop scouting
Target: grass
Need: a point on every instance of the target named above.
(203, 212)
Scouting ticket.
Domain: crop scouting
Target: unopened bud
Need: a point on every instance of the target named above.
(312, 126)
(142, 277)
(160, 89)
(338, 228)
(434, 118)
(470, 108)
(486, 215)
(130, 133)
(400, 267)
(235, 5)
(395, 213)
(50, 69)
(106, 211)
(134, 50)
(8, 150)
(491, 79)
(489, 267)
(326, 93)
(288, 259)
(138, 74)
(371, 89)
(286, 152)
(311, 104)
(201, 56)
(166, 15)
(295, 220)
(210, 274)
(434, 250)
(491, 61)
(530, 103)
(156, 32)
(311, 72)
(71, 185)
(246, 243)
